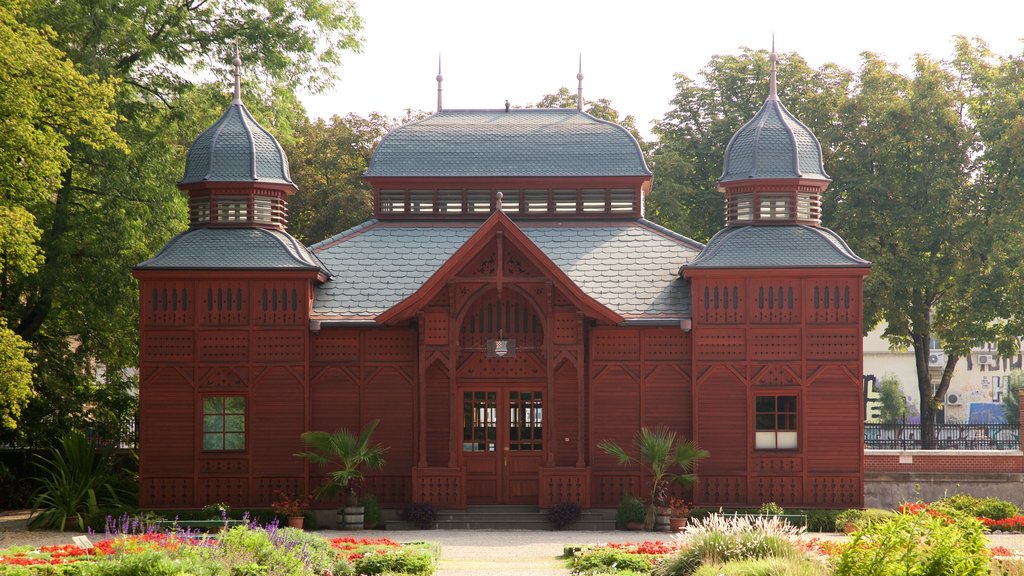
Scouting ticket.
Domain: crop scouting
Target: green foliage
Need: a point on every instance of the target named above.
(74, 483)
(893, 401)
(611, 561)
(860, 518)
(821, 520)
(919, 543)
(771, 509)
(15, 370)
(150, 563)
(630, 510)
(992, 508)
(287, 551)
(720, 539)
(372, 516)
(404, 561)
(564, 514)
(1011, 399)
(658, 451)
(765, 567)
(348, 454)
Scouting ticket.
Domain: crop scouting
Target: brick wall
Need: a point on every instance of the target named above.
(944, 461)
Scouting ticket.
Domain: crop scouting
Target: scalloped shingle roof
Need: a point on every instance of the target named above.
(236, 149)
(773, 144)
(234, 248)
(519, 142)
(630, 267)
(777, 247)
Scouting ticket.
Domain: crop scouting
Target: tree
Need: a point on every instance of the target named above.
(349, 454)
(327, 161)
(906, 196)
(101, 191)
(658, 451)
(687, 159)
(1011, 400)
(894, 403)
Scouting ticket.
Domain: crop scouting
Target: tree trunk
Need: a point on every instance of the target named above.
(932, 395)
(40, 306)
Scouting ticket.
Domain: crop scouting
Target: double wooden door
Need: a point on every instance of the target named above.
(502, 444)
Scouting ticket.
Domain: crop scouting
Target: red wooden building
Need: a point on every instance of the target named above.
(506, 309)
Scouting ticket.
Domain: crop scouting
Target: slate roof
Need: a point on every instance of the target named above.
(631, 267)
(236, 149)
(234, 248)
(519, 142)
(777, 247)
(773, 144)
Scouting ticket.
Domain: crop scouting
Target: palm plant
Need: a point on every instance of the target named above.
(349, 454)
(74, 484)
(659, 452)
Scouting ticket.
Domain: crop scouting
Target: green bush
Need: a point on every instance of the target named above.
(611, 561)
(720, 539)
(860, 518)
(372, 517)
(922, 543)
(149, 563)
(630, 510)
(992, 508)
(765, 567)
(771, 509)
(405, 561)
(821, 520)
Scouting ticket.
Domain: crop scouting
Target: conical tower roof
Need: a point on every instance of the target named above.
(773, 145)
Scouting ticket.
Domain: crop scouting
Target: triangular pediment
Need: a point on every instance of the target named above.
(498, 252)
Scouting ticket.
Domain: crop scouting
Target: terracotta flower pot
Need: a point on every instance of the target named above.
(677, 524)
(295, 522)
(634, 525)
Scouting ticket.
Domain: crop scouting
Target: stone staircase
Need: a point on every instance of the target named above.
(504, 518)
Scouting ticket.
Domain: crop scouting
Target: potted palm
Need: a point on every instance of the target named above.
(348, 453)
(659, 452)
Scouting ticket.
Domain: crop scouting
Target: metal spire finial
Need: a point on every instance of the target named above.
(579, 94)
(439, 80)
(238, 78)
(772, 95)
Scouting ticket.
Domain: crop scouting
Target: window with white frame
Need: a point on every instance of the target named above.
(775, 422)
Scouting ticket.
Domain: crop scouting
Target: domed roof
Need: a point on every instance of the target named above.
(236, 149)
(773, 144)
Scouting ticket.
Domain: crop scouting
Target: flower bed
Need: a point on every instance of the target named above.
(1014, 524)
(245, 547)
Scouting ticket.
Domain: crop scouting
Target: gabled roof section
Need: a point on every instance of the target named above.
(235, 249)
(498, 221)
(531, 142)
(777, 247)
(629, 266)
(236, 149)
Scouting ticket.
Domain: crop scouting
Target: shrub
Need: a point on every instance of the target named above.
(420, 514)
(771, 509)
(821, 520)
(992, 508)
(765, 567)
(372, 517)
(860, 518)
(610, 560)
(564, 514)
(719, 539)
(921, 542)
(404, 561)
(630, 510)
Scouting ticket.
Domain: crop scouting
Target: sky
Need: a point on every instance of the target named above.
(524, 49)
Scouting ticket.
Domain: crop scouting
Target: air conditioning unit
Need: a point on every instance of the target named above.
(953, 399)
(936, 359)
(987, 359)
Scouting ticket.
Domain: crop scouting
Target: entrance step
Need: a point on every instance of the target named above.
(493, 517)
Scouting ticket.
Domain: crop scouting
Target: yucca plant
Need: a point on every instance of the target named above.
(658, 451)
(349, 454)
(74, 483)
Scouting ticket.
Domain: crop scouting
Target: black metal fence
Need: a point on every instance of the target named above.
(902, 436)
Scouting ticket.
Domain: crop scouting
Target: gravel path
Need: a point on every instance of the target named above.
(463, 552)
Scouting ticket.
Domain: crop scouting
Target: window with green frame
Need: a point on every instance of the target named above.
(224, 423)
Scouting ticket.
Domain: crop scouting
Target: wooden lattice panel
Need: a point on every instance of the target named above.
(775, 375)
(565, 327)
(223, 346)
(833, 344)
(266, 489)
(224, 377)
(607, 489)
(168, 303)
(614, 344)
(522, 365)
(836, 491)
(334, 347)
(775, 301)
(720, 490)
(720, 344)
(162, 492)
(775, 344)
(168, 347)
(391, 346)
(279, 346)
(390, 490)
(721, 302)
(783, 490)
(233, 491)
(832, 300)
(278, 303)
(776, 465)
(560, 485)
(435, 328)
(223, 466)
(223, 303)
(508, 316)
(667, 344)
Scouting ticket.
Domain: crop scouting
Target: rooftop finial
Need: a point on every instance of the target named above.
(772, 95)
(579, 94)
(497, 201)
(238, 77)
(439, 80)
